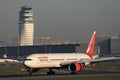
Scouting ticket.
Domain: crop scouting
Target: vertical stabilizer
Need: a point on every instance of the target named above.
(90, 49)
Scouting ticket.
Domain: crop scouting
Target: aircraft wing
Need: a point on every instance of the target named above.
(102, 59)
(97, 60)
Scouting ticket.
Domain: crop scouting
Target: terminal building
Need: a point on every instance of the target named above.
(23, 51)
(105, 46)
(109, 45)
(83, 47)
(115, 45)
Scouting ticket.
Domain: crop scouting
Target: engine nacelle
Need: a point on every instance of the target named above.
(75, 67)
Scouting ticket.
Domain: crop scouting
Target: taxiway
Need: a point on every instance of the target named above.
(84, 73)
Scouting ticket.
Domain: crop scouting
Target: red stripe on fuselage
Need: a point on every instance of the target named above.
(57, 59)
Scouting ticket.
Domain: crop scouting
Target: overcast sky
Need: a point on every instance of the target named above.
(63, 19)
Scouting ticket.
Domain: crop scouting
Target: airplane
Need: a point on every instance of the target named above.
(5, 59)
(73, 62)
(9, 60)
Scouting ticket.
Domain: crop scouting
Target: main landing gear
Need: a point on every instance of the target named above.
(30, 71)
(50, 72)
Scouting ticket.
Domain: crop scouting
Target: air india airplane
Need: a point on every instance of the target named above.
(5, 59)
(73, 62)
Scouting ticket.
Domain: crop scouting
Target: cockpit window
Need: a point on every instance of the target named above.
(28, 59)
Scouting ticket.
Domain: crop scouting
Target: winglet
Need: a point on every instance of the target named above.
(90, 49)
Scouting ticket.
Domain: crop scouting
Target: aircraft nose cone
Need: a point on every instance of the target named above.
(28, 62)
(25, 63)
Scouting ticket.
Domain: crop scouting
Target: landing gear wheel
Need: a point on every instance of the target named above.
(30, 73)
(50, 72)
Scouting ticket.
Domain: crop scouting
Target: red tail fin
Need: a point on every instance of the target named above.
(90, 49)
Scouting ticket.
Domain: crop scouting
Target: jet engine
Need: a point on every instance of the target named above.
(75, 67)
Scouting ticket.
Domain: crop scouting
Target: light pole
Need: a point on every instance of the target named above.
(18, 50)
(45, 38)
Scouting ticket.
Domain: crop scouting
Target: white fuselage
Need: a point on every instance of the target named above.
(53, 60)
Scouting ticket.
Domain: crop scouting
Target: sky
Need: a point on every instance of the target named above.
(65, 20)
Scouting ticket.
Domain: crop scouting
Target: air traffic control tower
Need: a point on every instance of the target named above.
(26, 26)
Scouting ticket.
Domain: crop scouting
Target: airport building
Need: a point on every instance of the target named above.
(115, 45)
(109, 45)
(83, 47)
(104, 43)
(26, 26)
(22, 51)
(105, 46)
